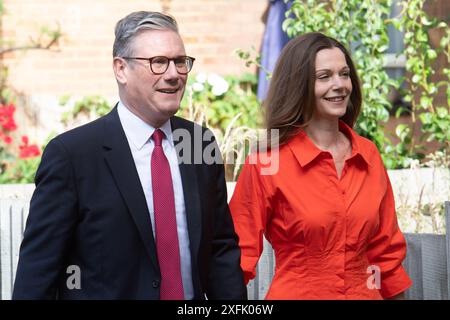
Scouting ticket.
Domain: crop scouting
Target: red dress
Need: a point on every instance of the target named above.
(333, 238)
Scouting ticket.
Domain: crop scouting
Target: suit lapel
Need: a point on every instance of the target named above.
(190, 190)
(120, 161)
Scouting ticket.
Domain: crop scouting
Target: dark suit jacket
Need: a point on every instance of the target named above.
(89, 210)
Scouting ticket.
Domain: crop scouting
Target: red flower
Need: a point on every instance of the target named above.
(7, 117)
(28, 151)
(7, 139)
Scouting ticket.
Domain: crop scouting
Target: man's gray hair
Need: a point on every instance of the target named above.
(130, 26)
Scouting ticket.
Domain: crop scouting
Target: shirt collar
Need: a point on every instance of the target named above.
(306, 151)
(137, 130)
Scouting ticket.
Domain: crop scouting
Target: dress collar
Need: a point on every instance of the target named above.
(306, 151)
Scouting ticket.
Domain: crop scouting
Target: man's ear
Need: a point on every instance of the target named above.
(119, 67)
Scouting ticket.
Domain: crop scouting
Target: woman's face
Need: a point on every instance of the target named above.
(333, 84)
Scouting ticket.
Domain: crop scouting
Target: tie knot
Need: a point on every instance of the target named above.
(157, 137)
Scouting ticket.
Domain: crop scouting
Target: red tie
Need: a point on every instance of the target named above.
(165, 223)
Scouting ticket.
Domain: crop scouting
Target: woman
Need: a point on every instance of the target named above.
(328, 210)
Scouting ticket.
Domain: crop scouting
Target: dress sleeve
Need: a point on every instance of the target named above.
(387, 249)
(250, 210)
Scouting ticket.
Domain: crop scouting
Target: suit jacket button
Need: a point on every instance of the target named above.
(155, 284)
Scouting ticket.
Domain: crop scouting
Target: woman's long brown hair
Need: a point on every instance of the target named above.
(290, 100)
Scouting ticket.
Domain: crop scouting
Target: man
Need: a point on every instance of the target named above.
(115, 214)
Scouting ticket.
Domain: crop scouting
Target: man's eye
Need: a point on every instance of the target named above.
(180, 62)
(159, 61)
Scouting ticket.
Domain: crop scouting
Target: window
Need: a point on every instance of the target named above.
(395, 61)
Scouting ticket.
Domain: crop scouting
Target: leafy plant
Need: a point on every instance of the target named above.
(252, 58)
(89, 108)
(21, 171)
(360, 24)
(18, 163)
(363, 26)
(422, 89)
(229, 107)
(221, 99)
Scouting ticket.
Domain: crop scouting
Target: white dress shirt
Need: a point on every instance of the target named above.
(139, 139)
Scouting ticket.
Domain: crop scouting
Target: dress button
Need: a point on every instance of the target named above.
(155, 283)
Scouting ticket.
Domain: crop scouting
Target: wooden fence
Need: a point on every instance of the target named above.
(427, 261)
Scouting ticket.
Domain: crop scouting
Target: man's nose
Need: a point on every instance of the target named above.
(171, 72)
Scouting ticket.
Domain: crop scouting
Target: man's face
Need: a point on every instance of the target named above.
(154, 98)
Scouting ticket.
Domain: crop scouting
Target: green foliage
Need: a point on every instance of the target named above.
(6, 156)
(22, 171)
(230, 108)
(360, 23)
(18, 163)
(252, 58)
(437, 124)
(363, 26)
(422, 90)
(221, 99)
(89, 106)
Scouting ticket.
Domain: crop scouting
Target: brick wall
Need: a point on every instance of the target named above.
(212, 30)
